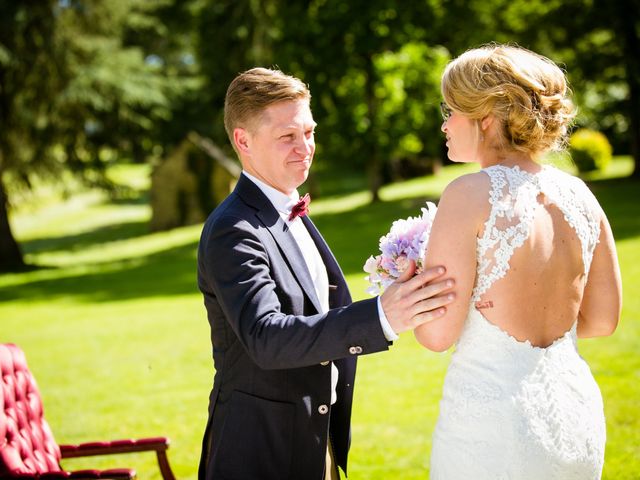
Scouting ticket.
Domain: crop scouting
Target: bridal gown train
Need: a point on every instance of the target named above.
(511, 410)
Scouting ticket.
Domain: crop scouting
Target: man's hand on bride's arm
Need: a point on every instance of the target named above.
(413, 300)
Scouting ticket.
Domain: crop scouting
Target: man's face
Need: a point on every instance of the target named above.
(279, 149)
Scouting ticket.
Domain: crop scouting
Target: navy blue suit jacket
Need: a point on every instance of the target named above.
(270, 411)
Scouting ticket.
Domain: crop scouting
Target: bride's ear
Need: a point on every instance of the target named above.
(486, 123)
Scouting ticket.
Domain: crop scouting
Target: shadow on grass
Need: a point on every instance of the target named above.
(170, 272)
(620, 199)
(80, 241)
(140, 199)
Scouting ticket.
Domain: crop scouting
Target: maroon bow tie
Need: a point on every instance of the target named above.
(301, 208)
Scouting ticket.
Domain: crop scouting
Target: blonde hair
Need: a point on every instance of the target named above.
(254, 90)
(526, 92)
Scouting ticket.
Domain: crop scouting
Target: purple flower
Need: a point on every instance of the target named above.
(406, 241)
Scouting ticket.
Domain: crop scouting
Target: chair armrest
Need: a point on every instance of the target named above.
(157, 444)
(112, 474)
(115, 446)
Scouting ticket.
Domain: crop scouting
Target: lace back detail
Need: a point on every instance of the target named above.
(513, 199)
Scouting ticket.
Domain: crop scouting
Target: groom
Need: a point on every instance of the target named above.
(284, 330)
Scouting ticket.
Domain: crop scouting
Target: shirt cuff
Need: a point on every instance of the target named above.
(384, 323)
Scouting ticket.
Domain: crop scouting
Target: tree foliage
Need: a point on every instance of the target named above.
(373, 77)
(85, 83)
(598, 43)
(75, 94)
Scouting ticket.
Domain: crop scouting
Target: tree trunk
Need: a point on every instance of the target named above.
(628, 17)
(10, 255)
(374, 163)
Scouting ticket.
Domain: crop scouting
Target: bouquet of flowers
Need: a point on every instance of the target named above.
(406, 241)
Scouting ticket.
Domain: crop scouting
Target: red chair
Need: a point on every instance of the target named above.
(27, 447)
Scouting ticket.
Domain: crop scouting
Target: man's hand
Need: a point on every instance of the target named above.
(413, 300)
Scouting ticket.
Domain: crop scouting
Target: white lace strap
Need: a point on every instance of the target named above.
(513, 198)
(581, 211)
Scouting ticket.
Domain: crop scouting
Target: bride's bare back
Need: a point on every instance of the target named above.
(539, 297)
(533, 238)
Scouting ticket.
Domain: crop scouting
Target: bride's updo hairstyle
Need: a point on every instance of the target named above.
(526, 92)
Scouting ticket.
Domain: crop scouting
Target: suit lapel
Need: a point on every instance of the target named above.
(270, 218)
(338, 290)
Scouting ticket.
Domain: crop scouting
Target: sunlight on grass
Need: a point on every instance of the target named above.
(343, 203)
(619, 167)
(134, 176)
(429, 186)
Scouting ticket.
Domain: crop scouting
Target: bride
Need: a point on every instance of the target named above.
(535, 267)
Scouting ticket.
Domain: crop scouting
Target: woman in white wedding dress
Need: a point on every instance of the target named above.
(535, 267)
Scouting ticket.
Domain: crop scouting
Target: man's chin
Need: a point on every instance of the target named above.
(301, 170)
(303, 176)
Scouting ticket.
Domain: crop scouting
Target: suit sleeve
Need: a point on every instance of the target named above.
(236, 273)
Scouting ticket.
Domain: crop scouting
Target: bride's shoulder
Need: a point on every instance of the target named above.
(468, 194)
(470, 186)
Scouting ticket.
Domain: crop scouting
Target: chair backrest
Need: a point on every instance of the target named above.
(27, 445)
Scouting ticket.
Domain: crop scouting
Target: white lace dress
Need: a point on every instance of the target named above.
(511, 410)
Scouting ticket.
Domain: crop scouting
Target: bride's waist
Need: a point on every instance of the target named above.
(515, 363)
(479, 331)
(506, 362)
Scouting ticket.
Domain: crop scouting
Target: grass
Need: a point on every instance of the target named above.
(115, 332)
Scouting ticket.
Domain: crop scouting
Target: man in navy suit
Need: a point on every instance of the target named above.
(284, 330)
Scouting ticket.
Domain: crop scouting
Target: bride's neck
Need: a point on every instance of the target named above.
(511, 159)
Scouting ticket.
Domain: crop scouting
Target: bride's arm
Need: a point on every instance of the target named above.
(602, 299)
(452, 243)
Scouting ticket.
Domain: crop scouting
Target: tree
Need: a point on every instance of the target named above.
(27, 55)
(624, 19)
(375, 79)
(74, 95)
(596, 40)
(350, 53)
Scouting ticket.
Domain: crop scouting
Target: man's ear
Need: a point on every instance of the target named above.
(241, 139)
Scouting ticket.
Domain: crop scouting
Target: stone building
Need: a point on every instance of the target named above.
(194, 178)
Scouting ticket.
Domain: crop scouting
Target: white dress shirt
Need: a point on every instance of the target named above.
(315, 265)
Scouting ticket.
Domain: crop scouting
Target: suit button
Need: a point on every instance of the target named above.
(324, 364)
(323, 409)
(355, 350)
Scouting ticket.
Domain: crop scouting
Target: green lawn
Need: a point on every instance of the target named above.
(116, 334)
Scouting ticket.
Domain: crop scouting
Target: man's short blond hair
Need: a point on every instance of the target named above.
(254, 90)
